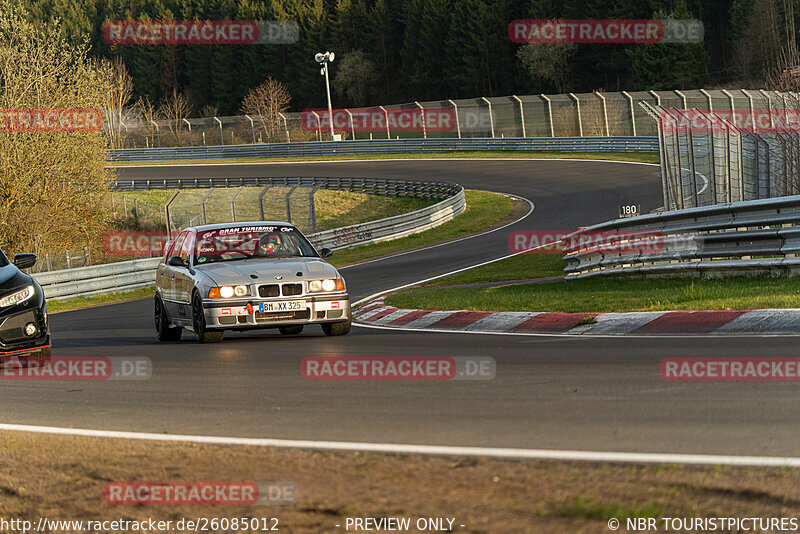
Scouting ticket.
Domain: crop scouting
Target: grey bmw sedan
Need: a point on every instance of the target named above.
(247, 275)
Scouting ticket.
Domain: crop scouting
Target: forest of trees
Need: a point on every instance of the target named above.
(392, 51)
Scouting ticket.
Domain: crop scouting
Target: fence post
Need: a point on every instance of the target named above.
(319, 126)
(352, 127)
(252, 128)
(491, 116)
(286, 127)
(312, 212)
(683, 97)
(386, 116)
(203, 204)
(221, 137)
(550, 114)
(233, 204)
(633, 116)
(458, 124)
(158, 132)
(521, 113)
(261, 201)
(605, 110)
(424, 128)
(580, 122)
(88, 255)
(288, 205)
(191, 140)
(166, 212)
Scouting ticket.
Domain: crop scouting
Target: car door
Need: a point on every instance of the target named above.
(184, 279)
(167, 278)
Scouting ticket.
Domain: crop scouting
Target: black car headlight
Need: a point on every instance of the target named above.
(17, 297)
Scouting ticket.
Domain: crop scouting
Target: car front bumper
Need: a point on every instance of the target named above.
(15, 343)
(235, 314)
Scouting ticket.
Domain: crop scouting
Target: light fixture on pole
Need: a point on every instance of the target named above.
(324, 59)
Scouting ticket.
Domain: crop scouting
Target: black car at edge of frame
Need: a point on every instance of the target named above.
(24, 333)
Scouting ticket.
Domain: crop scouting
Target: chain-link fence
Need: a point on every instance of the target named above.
(745, 148)
(559, 115)
(294, 204)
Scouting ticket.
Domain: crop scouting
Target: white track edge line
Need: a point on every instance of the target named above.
(434, 450)
(587, 337)
(369, 160)
(531, 207)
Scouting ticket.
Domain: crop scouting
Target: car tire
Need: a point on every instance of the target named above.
(336, 329)
(199, 323)
(291, 330)
(164, 331)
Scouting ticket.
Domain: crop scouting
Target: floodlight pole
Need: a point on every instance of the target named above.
(324, 59)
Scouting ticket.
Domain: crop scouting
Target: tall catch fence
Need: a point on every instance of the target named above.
(712, 153)
(558, 115)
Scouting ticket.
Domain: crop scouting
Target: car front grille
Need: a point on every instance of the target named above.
(291, 290)
(276, 290)
(271, 290)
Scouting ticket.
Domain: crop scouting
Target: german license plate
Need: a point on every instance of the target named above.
(282, 305)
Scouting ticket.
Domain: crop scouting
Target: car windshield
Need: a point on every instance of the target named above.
(3, 259)
(251, 242)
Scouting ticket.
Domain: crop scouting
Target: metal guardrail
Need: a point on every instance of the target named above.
(127, 275)
(750, 237)
(390, 146)
(373, 186)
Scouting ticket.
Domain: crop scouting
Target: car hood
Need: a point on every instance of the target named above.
(265, 271)
(12, 278)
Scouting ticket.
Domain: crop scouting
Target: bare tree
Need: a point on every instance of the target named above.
(548, 61)
(115, 76)
(175, 108)
(267, 102)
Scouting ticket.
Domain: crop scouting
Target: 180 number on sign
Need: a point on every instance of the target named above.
(629, 210)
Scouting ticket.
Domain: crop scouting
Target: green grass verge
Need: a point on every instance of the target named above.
(333, 208)
(641, 157)
(594, 294)
(55, 306)
(483, 210)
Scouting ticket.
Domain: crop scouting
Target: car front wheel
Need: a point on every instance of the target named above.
(163, 330)
(336, 329)
(199, 323)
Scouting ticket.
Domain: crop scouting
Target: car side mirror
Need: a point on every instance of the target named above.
(25, 260)
(325, 253)
(176, 261)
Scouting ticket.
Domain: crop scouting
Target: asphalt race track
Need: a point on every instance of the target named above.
(599, 394)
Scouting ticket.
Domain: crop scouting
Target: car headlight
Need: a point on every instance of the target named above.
(17, 298)
(326, 285)
(227, 292)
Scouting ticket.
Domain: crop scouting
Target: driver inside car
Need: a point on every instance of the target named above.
(270, 244)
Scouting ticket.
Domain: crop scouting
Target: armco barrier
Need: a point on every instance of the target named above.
(126, 275)
(751, 237)
(390, 146)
